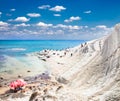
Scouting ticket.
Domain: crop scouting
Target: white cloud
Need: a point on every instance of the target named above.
(0, 13)
(22, 19)
(72, 19)
(22, 25)
(33, 15)
(10, 20)
(42, 24)
(85, 26)
(44, 7)
(43, 30)
(66, 20)
(4, 26)
(87, 12)
(3, 23)
(101, 26)
(100, 30)
(57, 8)
(57, 15)
(75, 27)
(60, 25)
(12, 10)
(60, 32)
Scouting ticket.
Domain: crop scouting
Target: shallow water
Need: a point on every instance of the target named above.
(21, 47)
(13, 58)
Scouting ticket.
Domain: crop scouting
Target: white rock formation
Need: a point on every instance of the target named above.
(93, 69)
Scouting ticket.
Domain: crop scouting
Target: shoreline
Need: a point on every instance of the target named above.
(20, 66)
(38, 60)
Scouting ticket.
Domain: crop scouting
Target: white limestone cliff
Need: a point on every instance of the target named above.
(89, 72)
(96, 74)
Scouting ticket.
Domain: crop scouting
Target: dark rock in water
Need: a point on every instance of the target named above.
(1, 78)
(28, 71)
(43, 59)
(19, 76)
(5, 71)
(48, 56)
(45, 50)
(53, 53)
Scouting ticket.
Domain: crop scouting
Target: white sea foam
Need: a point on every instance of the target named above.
(17, 49)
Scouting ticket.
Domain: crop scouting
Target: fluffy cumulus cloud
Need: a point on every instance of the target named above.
(12, 10)
(68, 27)
(72, 18)
(57, 15)
(44, 7)
(3, 23)
(33, 15)
(101, 26)
(4, 26)
(22, 25)
(42, 24)
(74, 27)
(22, 19)
(57, 8)
(88, 12)
(101, 30)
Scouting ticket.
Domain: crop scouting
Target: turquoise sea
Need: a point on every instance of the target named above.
(13, 54)
(21, 47)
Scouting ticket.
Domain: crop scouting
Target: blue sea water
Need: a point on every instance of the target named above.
(21, 47)
(13, 54)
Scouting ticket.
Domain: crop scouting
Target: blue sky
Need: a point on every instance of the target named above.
(57, 19)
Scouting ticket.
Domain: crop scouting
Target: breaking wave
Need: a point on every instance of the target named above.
(16, 49)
